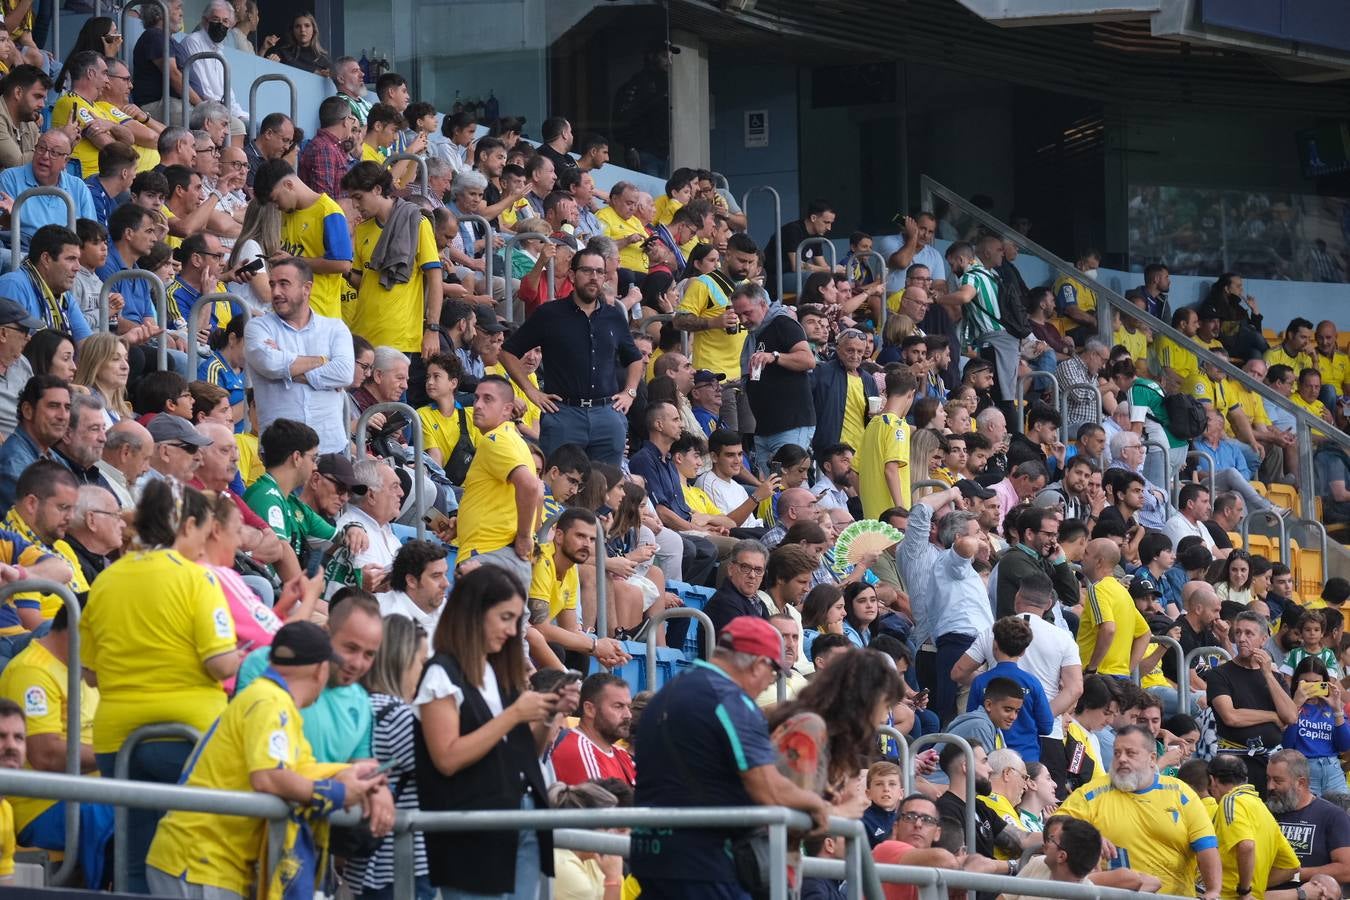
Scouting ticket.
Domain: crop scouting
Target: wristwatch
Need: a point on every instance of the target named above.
(432, 326)
(776, 354)
(1300, 892)
(631, 392)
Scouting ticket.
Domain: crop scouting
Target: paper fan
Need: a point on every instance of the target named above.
(862, 538)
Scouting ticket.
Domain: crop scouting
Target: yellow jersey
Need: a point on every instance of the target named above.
(1072, 292)
(1134, 341)
(545, 586)
(1003, 808)
(17, 551)
(250, 459)
(698, 501)
(1218, 394)
(148, 648)
(1108, 601)
(855, 412)
(372, 154)
(1278, 356)
(7, 839)
(666, 207)
(37, 681)
(441, 432)
(320, 232)
(1316, 407)
(1250, 403)
(1177, 358)
(393, 316)
(714, 349)
(632, 255)
(1335, 370)
(1157, 830)
(532, 411)
(149, 156)
(85, 114)
(259, 730)
(487, 511)
(1241, 815)
(885, 440)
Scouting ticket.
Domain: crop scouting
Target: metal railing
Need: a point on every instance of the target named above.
(1074, 390)
(16, 232)
(822, 241)
(777, 226)
(601, 585)
(663, 318)
(253, 99)
(419, 466)
(678, 612)
(1021, 405)
(161, 306)
(224, 93)
(906, 760)
(932, 740)
(166, 55)
(1306, 424)
(508, 292)
(74, 681)
(884, 311)
(926, 484)
(1196, 653)
(423, 176)
(122, 772)
(1207, 457)
(195, 324)
(489, 250)
(1172, 644)
(1266, 515)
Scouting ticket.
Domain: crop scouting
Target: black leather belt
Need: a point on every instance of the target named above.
(590, 403)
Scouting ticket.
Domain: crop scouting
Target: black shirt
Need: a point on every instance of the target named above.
(1315, 830)
(561, 161)
(780, 245)
(492, 194)
(1221, 539)
(1248, 690)
(987, 824)
(583, 355)
(781, 399)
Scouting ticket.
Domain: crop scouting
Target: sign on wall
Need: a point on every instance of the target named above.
(756, 128)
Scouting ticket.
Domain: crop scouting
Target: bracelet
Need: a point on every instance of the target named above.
(1013, 866)
(1242, 892)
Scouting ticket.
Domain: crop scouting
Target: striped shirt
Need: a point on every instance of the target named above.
(391, 741)
(979, 317)
(578, 759)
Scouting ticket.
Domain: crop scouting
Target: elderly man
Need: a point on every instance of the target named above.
(1232, 472)
(82, 447)
(1127, 452)
(777, 369)
(841, 394)
(116, 97)
(1156, 823)
(790, 507)
(126, 456)
(177, 449)
(739, 594)
(1251, 707)
(350, 82)
(210, 36)
(1318, 831)
(373, 510)
(275, 140)
(96, 530)
(47, 169)
(1082, 370)
(1024, 481)
(386, 383)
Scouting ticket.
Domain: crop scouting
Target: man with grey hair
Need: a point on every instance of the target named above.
(776, 360)
(1127, 452)
(1079, 374)
(210, 37)
(1319, 831)
(387, 381)
(1251, 706)
(623, 226)
(98, 128)
(440, 176)
(739, 594)
(374, 510)
(790, 507)
(466, 199)
(82, 447)
(212, 118)
(351, 86)
(126, 456)
(992, 424)
(95, 529)
(176, 147)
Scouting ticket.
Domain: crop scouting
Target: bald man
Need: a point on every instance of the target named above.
(1112, 635)
(790, 507)
(126, 456)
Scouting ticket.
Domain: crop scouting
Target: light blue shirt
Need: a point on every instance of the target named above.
(337, 725)
(272, 345)
(1226, 456)
(17, 286)
(926, 256)
(41, 211)
(1280, 417)
(965, 599)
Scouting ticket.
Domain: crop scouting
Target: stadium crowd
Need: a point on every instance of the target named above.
(863, 486)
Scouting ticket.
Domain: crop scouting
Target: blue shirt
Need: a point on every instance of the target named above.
(215, 370)
(1315, 733)
(41, 211)
(16, 454)
(104, 204)
(337, 725)
(18, 287)
(664, 484)
(879, 823)
(1035, 719)
(1228, 455)
(271, 345)
(698, 735)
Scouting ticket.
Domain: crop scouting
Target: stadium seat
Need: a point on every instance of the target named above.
(1282, 495)
(1235, 538)
(1260, 545)
(1343, 340)
(1259, 488)
(1307, 566)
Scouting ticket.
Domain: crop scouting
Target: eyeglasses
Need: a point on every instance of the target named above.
(104, 512)
(49, 152)
(749, 569)
(588, 270)
(186, 448)
(777, 669)
(366, 367)
(914, 818)
(212, 149)
(220, 255)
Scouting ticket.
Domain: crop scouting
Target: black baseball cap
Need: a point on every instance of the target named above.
(707, 376)
(487, 321)
(973, 490)
(339, 468)
(301, 644)
(1143, 586)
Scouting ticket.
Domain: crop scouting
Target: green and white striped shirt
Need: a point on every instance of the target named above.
(979, 317)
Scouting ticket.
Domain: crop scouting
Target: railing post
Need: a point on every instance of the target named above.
(419, 467)
(15, 231)
(1213, 471)
(489, 250)
(833, 254)
(253, 99)
(104, 318)
(127, 48)
(777, 226)
(601, 586)
(422, 175)
(678, 612)
(509, 292)
(405, 877)
(1266, 515)
(1322, 543)
(1183, 682)
(205, 302)
(778, 862)
(906, 760)
(121, 771)
(224, 93)
(1307, 473)
(929, 740)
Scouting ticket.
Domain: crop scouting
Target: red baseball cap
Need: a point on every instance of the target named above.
(751, 634)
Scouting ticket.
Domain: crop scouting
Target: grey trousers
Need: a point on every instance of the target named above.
(162, 884)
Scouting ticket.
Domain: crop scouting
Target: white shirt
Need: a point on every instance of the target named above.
(436, 685)
(726, 495)
(383, 545)
(398, 603)
(1178, 527)
(1050, 651)
(830, 495)
(210, 74)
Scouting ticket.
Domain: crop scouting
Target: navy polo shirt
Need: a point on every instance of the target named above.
(696, 737)
(583, 354)
(664, 484)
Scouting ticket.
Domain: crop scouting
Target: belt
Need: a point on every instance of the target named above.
(588, 403)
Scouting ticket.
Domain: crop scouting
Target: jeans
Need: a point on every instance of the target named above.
(950, 648)
(507, 559)
(1325, 776)
(766, 445)
(527, 869)
(160, 762)
(601, 431)
(1004, 351)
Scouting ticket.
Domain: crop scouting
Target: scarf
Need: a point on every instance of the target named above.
(719, 288)
(53, 310)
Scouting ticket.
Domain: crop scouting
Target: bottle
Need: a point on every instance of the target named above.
(734, 329)
(364, 63)
(756, 371)
(491, 109)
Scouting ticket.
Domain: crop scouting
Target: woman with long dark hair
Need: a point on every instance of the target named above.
(477, 749)
(51, 352)
(861, 609)
(1239, 316)
(100, 34)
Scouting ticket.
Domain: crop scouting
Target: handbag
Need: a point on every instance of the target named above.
(457, 466)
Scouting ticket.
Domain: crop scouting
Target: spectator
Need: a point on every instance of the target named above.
(1037, 530)
(593, 750)
(1252, 849)
(350, 82)
(275, 140)
(45, 498)
(210, 36)
(1251, 707)
(23, 97)
(885, 449)
(841, 395)
(501, 492)
(191, 848)
(1112, 635)
(1320, 732)
(679, 734)
(1318, 831)
(1023, 481)
(779, 386)
(1193, 509)
(706, 311)
(1082, 370)
(836, 488)
(301, 47)
(44, 417)
(47, 169)
(555, 588)
(795, 680)
(417, 584)
(738, 596)
(981, 326)
(475, 682)
(719, 482)
(148, 62)
(95, 531)
(126, 457)
(43, 281)
(299, 361)
(374, 509)
(313, 228)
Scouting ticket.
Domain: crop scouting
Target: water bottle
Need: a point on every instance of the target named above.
(364, 63)
(757, 369)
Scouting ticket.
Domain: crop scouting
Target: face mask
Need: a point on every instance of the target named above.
(217, 31)
(1091, 273)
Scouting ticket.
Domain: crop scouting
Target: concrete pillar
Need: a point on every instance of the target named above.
(690, 108)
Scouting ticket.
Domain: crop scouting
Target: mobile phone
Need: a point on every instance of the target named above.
(435, 518)
(604, 510)
(255, 266)
(1319, 689)
(776, 468)
(384, 767)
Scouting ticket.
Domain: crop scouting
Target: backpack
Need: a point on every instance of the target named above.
(1186, 416)
(1012, 308)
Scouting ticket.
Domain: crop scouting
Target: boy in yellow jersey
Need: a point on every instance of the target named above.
(396, 270)
(1175, 358)
(706, 310)
(1112, 635)
(1253, 849)
(444, 419)
(502, 496)
(1155, 822)
(313, 227)
(883, 459)
(257, 744)
(679, 190)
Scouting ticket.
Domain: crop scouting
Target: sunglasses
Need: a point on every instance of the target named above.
(186, 448)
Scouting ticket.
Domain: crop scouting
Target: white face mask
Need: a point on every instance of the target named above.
(1091, 273)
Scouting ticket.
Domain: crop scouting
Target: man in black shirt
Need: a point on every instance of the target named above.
(557, 135)
(739, 594)
(776, 358)
(1251, 707)
(990, 830)
(781, 252)
(1318, 831)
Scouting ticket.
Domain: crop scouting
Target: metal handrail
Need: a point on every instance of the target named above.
(1020, 401)
(663, 318)
(678, 612)
(15, 231)
(1266, 515)
(934, 883)
(1197, 652)
(885, 309)
(423, 175)
(924, 485)
(508, 293)
(1323, 542)
(906, 760)
(1306, 423)
(1213, 470)
(932, 740)
(720, 181)
(122, 772)
(205, 302)
(161, 305)
(1174, 480)
(777, 226)
(1172, 644)
(489, 251)
(225, 94)
(601, 585)
(253, 99)
(419, 466)
(127, 47)
(824, 242)
(74, 681)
